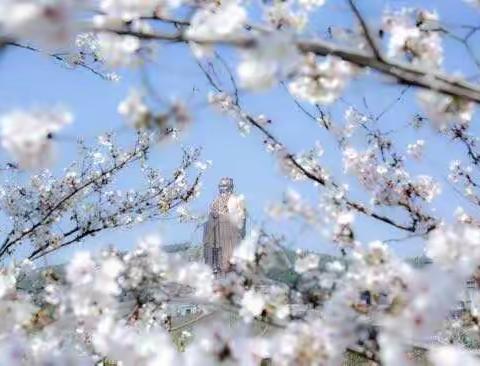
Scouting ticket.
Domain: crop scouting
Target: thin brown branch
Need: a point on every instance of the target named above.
(58, 58)
(366, 30)
(321, 181)
(8, 242)
(400, 71)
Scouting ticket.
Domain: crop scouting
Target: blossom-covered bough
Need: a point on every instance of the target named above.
(365, 302)
(83, 202)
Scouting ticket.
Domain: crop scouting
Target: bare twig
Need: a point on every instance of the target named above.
(366, 31)
(58, 58)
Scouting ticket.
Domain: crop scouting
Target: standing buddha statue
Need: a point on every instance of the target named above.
(225, 227)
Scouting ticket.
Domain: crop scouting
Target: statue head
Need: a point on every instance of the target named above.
(225, 186)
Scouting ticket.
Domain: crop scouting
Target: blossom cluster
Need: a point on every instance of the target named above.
(28, 135)
(413, 36)
(51, 211)
(380, 178)
(112, 306)
(322, 82)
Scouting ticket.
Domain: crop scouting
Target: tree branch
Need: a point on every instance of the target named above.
(402, 72)
(366, 31)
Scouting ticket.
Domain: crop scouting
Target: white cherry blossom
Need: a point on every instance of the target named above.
(445, 110)
(321, 82)
(413, 36)
(306, 263)
(272, 58)
(117, 50)
(28, 136)
(252, 303)
(217, 20)
(132, 9)
(415, 150)
(451, 356)
(48, 23)
(134, 109)
(456, 248)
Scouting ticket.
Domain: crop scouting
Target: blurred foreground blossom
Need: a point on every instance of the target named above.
(217, 20)
(455, 248)
(306, 263)
(445, 110)
(413, 36)
(272, 58)
(132, 9)
(321, 82)
(48, 23)
(118, 51)
(134, 109)
(452, 356)
(28, 135)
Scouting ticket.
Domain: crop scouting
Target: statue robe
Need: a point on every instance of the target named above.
(223, 231)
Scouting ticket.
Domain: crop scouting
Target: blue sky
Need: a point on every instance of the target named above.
(29, 79)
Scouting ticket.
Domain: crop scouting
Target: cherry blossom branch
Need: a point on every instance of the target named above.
(134, 156)
(316, 175)
(106, 223)
(352, 204)
(402, 72)
(459, 133)
(58, 58)
(112, 215)
(366, 31)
